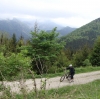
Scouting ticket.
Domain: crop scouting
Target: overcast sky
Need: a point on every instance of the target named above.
(74, 13)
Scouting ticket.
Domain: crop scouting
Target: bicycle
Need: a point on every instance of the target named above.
(66, 75)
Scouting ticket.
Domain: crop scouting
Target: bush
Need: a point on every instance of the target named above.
(11, 66)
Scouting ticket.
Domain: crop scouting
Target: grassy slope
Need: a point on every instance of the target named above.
(86, 91)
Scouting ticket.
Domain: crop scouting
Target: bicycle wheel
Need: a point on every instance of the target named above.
(62, 78)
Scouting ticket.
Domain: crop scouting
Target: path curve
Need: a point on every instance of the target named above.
(53, 82)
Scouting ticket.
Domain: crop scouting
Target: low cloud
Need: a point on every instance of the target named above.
(66, 12)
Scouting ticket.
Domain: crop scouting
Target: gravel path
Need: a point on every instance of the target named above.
(53, 82)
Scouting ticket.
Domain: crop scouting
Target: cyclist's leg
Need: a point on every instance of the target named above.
(72, 77)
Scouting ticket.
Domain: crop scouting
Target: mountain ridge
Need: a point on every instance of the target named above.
(14, 27)
(85, 35)
(22, 29)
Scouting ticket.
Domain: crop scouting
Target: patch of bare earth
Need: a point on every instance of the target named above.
(53, 82)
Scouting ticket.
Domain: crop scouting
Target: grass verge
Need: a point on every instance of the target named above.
(84, 91)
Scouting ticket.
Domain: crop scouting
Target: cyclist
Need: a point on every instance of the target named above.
(71, 72)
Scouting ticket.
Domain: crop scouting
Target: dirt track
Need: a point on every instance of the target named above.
(54, 82)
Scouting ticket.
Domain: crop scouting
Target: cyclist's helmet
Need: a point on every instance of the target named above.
(70, 65)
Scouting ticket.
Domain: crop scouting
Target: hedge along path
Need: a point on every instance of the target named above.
(28, 84)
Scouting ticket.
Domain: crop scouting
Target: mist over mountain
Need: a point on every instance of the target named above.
(23, 28)
(14, 27)
(43, 25)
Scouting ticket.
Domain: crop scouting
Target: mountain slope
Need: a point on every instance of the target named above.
(66, 30)
(14, 26)
(86, 34)
(49, 25)
(24, 28)
(45, 25)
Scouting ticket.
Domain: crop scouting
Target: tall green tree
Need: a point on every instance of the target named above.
(21, 41)
(78, 59)
(95, 56)
(81, 55)
(13, 43)
(4, 43)
(44, 49)
(3, 38)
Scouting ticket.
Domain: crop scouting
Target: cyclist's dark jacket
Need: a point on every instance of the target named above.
(71, 70)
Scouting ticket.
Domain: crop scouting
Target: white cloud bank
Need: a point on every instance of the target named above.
(73, 13)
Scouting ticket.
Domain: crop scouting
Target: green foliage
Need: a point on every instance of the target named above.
(1, 87)
(3, 38)
(95, 56)
(44, 47)
(86, 62)
(45, 44)
(79, 58)
(79, 91)
(21, 42)
(61, 62)
(13, 43)
(86, 34)
(52, 69)
(11, 66)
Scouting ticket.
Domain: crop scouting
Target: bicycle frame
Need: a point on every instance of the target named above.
(66, 75)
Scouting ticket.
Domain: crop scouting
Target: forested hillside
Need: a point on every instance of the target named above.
(85, 35)
(44, 48)
(66, 30)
